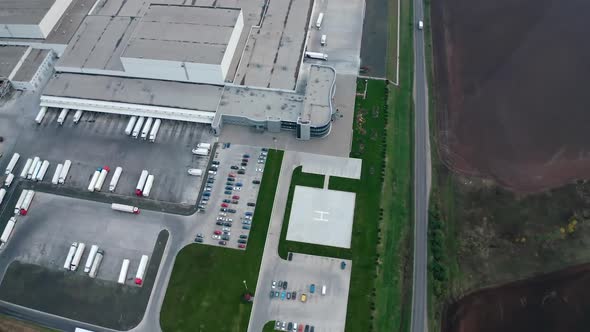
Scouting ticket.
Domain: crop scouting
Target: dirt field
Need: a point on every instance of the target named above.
(552, 303)
(511, 78)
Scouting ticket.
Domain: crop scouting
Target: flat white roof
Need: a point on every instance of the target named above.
(321, 216)
(183, 33)
(24, 11)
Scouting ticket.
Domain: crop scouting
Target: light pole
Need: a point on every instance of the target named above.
(245, 285)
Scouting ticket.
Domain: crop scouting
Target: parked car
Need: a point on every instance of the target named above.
(303, 298)
(231, 179)
(235, 201)
(241, 246)
(256, 181)
(251, 204)
(220, 223)
(244, 237)
(227, 224)
(234, 167)
(264, 149)
(285, 284)
(280, 284)
(227, 192)
(231, 210)
(241, 171)
(239, 184)
(312, 288)
(289, 326)
(215, 162)
(229, 187)
(288, 295)
(223, 209)
(294, 295)
(246, 156)
(272, 294)
(225, 237)
(235, 197)
(245, 226)
(277, 294)
(217, 232)
(283, 295)
(244, 164)
(273, 284)
(200, 235)
(222, 243)
(226, 201)
(216, 237)
(232, 175)
(242, 241)
(198, 240)
(224, 205)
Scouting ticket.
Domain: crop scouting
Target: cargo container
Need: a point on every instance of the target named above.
(24, 209)
(103, 175)
(141, 182)
(204, 146)
(130, 125)
(20, 201)
(96, 263)
(64, 171)
(41, 115)
(123, 273)
(148, 186)
(7, 230)
(78, 116)
(141, 270)
(23, 173)
(70, 255)
(195, 171)
(201, 151)
(316, 55)
(79, 329)
(90, 259)
(154, 131)
(62, 116)
(318, 23)
(137, 128)
(125, 208)
(58, 169)
(8, 180)
(146, 127)
(323, 40)
(94, 179)
(12, 163)
(77, 256)
(36, 170)
(42, 171)
(31, 169)
(2, 195)
(115, 178)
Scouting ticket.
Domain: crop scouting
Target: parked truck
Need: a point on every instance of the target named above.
(103, 175)
(154, 131)
(141, 183)
(125, 208)
(20, 201)
(146, 127)
(42, 171)
(115, 178)
(62, 116)
(23, 173)
(64, 171)
(96, 263)
(201, 151)
(90, 259)
(149, 183)
(78, 116)
(12, 163)
(204, 146)
(77, 256)
(137, 128)
(141, 270)
(123, 273)
(70, 255)
(24, 209)
(7, 231)
(316, 55)
(2, 195)
(94, 179)
(8, 180)
(195, 171)
(41, 115)
(58, 169)
(130, 125)
(318, 23)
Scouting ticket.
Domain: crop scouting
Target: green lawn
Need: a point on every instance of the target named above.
(269, 327)
(207, 282)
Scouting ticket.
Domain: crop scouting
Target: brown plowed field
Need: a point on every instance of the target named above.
(558, 302)
(513, 92)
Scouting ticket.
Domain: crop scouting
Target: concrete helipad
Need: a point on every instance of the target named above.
(321, 216)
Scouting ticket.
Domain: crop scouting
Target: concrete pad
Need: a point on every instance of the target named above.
(322, 217)
(332, 166)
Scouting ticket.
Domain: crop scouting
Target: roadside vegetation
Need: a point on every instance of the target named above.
(10, 324)
(205, 289)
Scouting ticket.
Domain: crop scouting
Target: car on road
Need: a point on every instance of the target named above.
(241, 246)
(235, 197)
(303, 298)
(227, 192)
(312, 288)
(222, 243)
(285, 284)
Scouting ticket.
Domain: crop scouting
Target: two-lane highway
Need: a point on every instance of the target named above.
(419, 322)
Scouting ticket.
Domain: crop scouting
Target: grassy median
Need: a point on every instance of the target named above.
(207, 282)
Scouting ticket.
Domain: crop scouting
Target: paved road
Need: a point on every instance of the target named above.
(421, 179)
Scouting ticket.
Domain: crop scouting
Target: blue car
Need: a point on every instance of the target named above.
(206, 194)
(283, 295)
(227, 192)
(249, 214)
(239, 184)
(246, 227)
(229, 188)
(312, 288)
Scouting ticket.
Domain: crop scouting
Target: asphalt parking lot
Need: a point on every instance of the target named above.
(222, 189)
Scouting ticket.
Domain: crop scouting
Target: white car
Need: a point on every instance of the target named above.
(216, 237)
(274, 284)
(226, 229)
(222, 214)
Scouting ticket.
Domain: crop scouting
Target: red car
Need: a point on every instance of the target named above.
(217, 232)
(235, 197)
(224, 205)
(242, 246)
(300, 328)
(232, 175)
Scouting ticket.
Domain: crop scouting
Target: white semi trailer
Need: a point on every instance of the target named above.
(137, 128)
(9, 180)
(24, 209)
(195, 171)
(154, 131)
(7, 231)
(31, 170)
(130, 125)
(149, 183)
(94, 178)
(42, 171)
(41, 115)
(125, 208)
(201, 151)
(316, 55)
(90, 259)
(58, 169)
(36, 170)
(115, 178)
(123, 273)
(2, 195)
(146, 127)
(64, 171)
(141, 183)
(77, 256)
(20, 201)
(70, 255)
(103, 175)
(12, 163)
(96, 263)
(23, 173)
(141, 270)
(62, 116)
(78, 116)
